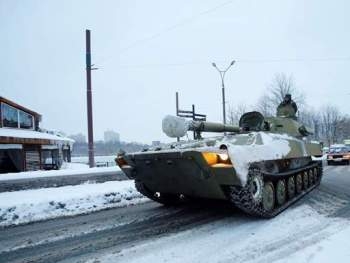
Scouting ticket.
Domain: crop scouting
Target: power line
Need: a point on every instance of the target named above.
(325, 59)
(248, 61)
(175, 26)
(157, 65)
(172, 27)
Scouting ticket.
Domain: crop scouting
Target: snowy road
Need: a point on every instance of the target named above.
(201, 233)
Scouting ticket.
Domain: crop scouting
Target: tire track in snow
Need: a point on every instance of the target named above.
(322, 201)
(164, 223)
(275, 250)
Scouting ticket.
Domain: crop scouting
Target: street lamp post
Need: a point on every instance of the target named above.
(222, 75)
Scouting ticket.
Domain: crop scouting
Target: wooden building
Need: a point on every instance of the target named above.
(24, 146)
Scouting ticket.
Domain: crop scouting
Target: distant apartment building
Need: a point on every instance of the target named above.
(78, 138)
(26, 147)
(111, 136)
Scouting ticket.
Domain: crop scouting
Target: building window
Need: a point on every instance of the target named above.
(9, 116)
(25, 120)
(14, 118)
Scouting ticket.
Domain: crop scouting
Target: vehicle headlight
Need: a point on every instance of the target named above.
(121, 161)
(217, 159)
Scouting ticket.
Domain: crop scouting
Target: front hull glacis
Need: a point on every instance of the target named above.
(178, 172)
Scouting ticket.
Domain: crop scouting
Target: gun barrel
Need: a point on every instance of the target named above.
(174, 126)
(212, 127)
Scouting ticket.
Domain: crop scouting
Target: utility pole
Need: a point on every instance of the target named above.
(177, 103)
(177, 109)
(222, 75)
(89, 101)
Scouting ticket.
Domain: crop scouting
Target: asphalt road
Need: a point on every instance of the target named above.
(76, 238)
(337, 179)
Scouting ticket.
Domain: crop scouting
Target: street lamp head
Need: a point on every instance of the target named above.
(214, 65)
(233, 62)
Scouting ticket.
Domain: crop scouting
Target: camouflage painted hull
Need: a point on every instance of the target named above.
(271, 186)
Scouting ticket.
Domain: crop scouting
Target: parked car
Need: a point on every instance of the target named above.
(338, 154)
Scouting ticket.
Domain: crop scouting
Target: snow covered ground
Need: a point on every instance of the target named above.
(33, 205)
(74, 166)
(300, 234)
(334, 248)
(110, 159)
(67, 169)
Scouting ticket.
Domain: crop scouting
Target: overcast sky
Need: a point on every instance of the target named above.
(148, 50)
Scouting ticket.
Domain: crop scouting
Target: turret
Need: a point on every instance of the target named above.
(174, 126)
(255, 121)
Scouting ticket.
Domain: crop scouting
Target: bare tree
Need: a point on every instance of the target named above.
(282, 85)
(313, 120)
(264, 106)
(277, 89)
(331, 122)
(317, 123)
(235, 113)
(343, 128)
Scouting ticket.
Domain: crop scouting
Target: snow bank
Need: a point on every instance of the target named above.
(261, 146)
(33, 205)
(101, 158)
(72, 169)
(74, 166)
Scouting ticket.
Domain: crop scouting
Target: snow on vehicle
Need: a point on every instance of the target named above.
(262, 166)
(338, 153)
(347, 142)
(325, 150)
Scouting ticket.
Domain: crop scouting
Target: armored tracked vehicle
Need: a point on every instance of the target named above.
(261, 167)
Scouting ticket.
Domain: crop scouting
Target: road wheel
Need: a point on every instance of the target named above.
(315, 174)
(291, 187)
(256, 186)
(268, 199)
(281, 192)
(311, 177)
(299, 183)
(306, 180)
